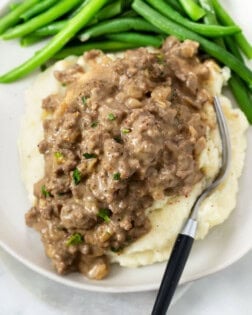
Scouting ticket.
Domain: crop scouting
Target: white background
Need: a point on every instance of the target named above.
(24, 292)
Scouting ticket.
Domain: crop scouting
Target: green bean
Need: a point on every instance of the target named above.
(103, 45)
(13, 6)
(241, 95)
(176, 5)
(30, 40)
(110, 10)
(50, 29)
(172, 28)
(56, 11)
(138, 38)
(236, 85)
(129, 13)
(225, 19)
(13, 17)
(194, 11)
(116, 26)
(207, 30)
(78, 9)
(210, 18)
(40, 7)
(232, 47)
(55, 27)
(127, 4)
(57, 43)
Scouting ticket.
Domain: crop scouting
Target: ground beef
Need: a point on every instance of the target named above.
(126, 133)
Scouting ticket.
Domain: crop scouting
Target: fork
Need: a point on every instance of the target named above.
(185, 239)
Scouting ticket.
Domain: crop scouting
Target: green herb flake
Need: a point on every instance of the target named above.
(63, 84)
(118, 139)
(43, 67)
(76, 176)
(58, 155)
(104, 214)
(88, 156)
(117, 176)
(129, 238)
(126, 130)
(116, 250)
(60, 228)
(45, 192)
(84, 100)
(111, 117)
(94, 124)
(74, 239)
(160, 59)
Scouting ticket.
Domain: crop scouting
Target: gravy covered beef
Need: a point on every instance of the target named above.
(126, 132)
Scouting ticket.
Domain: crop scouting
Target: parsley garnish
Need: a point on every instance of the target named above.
(84, 100)
(118, 139)
(43, 67)
(116, 250)
(74, 239)
(58, 156)
(94, 124)
(129, 238)
(161, 59)
(111, 117)
(117, 176)
(88, 156)
(45, 192)
(126, 130)
(105, 214)
(76, 176)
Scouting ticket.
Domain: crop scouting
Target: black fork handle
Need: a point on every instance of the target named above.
(173, 272)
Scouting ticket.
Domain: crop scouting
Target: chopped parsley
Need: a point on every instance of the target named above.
(129, 238)
(43, 67)
(94, 124)
(118, 139)
(174, 94)
(111, 117)
(104, 214)
(84, 100)
(116, 250)
(61, 228)
(74, 239)
(126, 130)
(45, 192)
(88, 156)
(58, 156)
(117, 176)
(76, 176)
(161, 59)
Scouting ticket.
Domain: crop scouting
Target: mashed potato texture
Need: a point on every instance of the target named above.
(167, 216)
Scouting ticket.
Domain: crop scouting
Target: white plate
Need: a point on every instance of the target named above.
(224, 245)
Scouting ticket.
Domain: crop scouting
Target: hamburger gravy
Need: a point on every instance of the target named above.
(119, 135)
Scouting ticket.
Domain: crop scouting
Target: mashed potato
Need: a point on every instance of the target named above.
(166, 216)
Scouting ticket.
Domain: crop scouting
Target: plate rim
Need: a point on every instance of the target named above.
(119, 289)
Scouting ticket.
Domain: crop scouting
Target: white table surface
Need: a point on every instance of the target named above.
(24, 292)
